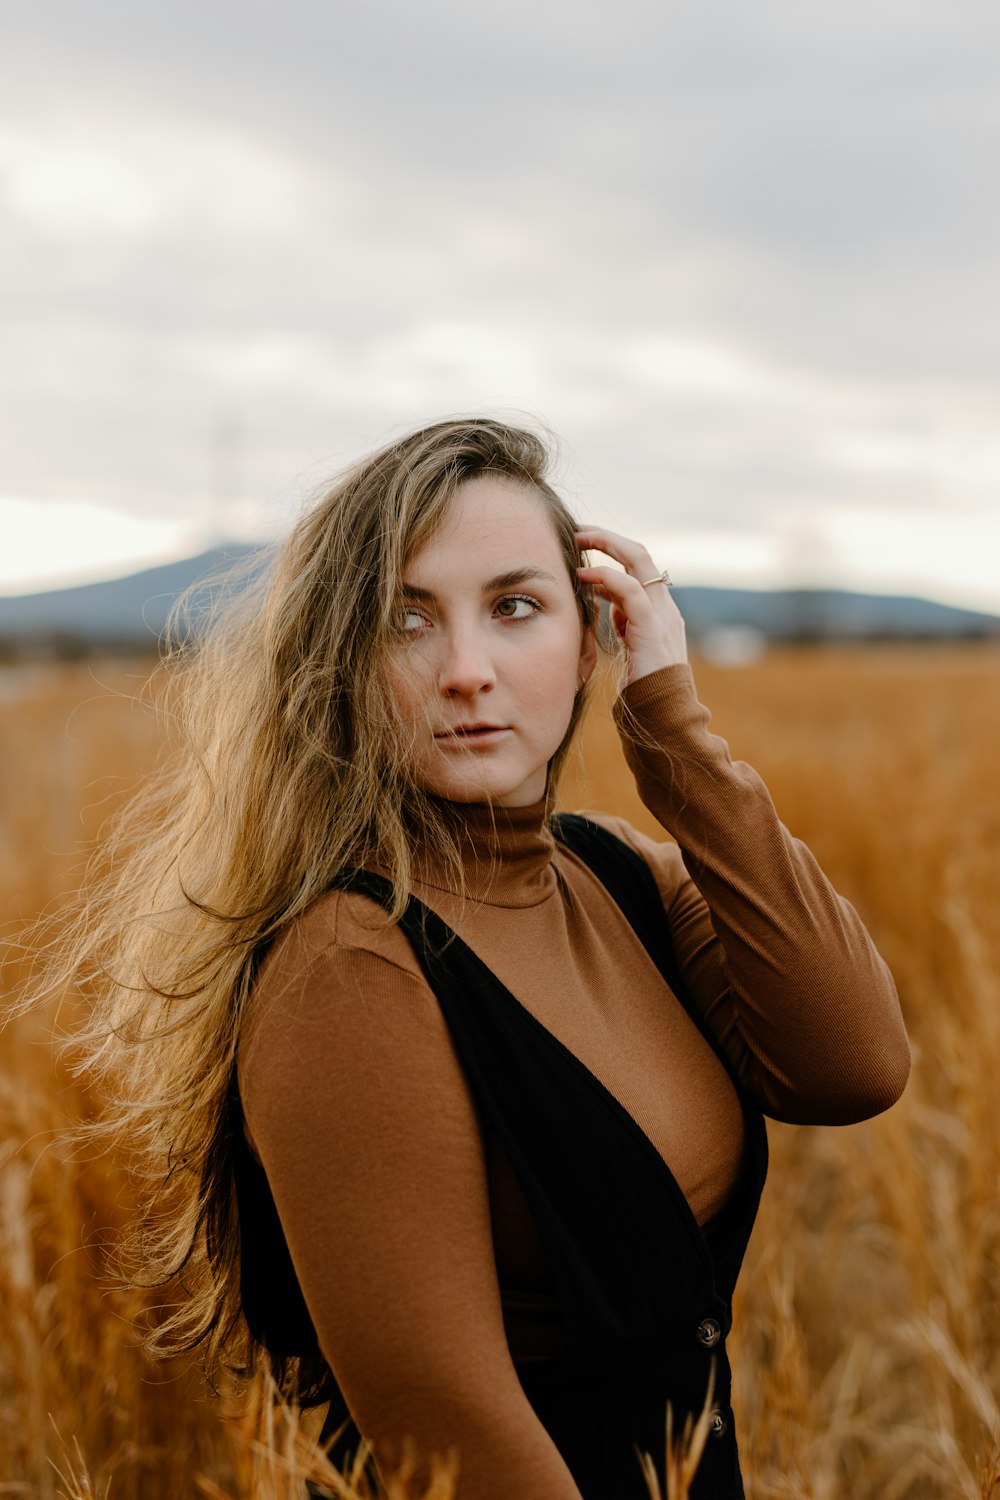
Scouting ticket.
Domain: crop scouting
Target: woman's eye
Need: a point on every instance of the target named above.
(517, 607)
(409, 621)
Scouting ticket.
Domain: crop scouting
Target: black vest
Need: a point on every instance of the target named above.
(644, 1293)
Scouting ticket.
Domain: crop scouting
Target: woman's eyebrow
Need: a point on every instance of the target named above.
(514, 577)
(508, 580)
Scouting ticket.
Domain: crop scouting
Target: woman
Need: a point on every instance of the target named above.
(459, 1106)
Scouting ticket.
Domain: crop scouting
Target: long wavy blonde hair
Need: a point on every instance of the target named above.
(288, 766)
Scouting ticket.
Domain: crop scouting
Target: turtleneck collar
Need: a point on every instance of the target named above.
(506, 854)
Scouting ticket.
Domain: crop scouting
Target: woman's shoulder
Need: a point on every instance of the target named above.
(338, 994)
(339, 947)
(337, 925)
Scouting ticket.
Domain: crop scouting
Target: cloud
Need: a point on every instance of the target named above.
(741, 258)
(80, 541)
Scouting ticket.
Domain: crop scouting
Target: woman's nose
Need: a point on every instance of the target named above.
(466, 666)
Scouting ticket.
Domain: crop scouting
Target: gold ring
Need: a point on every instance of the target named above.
(663, 577)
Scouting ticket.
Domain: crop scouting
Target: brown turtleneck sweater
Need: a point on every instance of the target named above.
(402, 1221)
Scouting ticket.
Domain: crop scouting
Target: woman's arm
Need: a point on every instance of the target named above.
(360, 1112)
(779, 964)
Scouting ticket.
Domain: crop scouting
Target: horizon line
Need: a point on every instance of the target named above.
(948, 599)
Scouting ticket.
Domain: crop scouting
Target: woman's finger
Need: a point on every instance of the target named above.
(630, 605)
(622, 588)
(632, 555)
(629, 592)
(649, 625)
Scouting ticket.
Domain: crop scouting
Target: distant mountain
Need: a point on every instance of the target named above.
(132, 611)
(121, 611)
(796, 614)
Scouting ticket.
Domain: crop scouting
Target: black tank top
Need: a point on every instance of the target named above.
(644, 1293)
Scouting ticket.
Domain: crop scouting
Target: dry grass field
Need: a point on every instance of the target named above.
(868, 1349)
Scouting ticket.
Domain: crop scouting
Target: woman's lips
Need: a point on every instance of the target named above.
(467, 736)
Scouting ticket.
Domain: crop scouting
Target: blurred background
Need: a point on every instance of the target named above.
(743, 260)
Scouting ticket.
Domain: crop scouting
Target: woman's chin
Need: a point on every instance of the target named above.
(502, 791)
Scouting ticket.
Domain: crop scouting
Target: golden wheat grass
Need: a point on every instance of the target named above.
(867, 1342)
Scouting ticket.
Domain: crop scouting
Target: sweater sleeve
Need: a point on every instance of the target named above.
(360, 1112)
(780, 965)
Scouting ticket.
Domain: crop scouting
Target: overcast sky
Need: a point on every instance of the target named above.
(744, 259)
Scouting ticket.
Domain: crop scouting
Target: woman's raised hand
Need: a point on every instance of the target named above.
(647, 620)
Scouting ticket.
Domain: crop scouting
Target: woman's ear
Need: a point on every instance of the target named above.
(588, 654)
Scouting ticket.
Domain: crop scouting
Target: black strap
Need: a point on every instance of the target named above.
(627, 877)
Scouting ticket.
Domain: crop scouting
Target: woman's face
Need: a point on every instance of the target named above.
(491, 648)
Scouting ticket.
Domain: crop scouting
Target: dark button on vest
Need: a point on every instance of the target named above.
(720, 1425)
(709, 1332)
